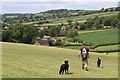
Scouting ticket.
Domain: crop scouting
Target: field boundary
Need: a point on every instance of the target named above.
(105, 45)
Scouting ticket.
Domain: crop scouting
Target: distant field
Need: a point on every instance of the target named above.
(11, 16)
(107, 48)
(80, 19)
(80, 32)
(30, 61)
(100, 37)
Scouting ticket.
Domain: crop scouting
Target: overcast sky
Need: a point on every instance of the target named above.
(28, 6)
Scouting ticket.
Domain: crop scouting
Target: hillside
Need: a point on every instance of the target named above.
(30, 61)
(101, 37)
(56, 17)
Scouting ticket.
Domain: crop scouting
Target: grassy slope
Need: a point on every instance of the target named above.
(107, 48)
(80, 19)
(100, 37)
(89, 31)
(76, 18)
(29, 61)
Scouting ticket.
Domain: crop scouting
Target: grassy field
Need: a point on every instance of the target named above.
(80, 32)
(80, 19)
(97, 49)
(107, 48)
(30, 61)
(100, 37)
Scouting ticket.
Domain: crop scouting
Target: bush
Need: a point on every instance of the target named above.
(69, 39)
(58, 43)
(77, 39)
(50, 41)
(20, 33)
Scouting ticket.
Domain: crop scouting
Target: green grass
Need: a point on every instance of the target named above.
(80, 19)
(101, 37)
(88, 31)
(98, 49)
(47, 15)
(107, 48)
(30, 61)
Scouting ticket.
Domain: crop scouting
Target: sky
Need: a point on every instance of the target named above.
(28, 6)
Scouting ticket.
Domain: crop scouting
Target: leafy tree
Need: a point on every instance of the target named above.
(77, 39)
(114, 22)
(3, 25)
(76, 25)
(118, 24)
(102, 9)
(50, 41)
(21, 33)
(75, 32)
(118, 9)
(82, 26)
(69, 22)
(70, 33)
(107, 21)
(43, 32)
(63, 33)
(96, 23)
(5, 36)
(54, 31)
(118, 16)
(58, 43)
(106, 10)
(89, 23)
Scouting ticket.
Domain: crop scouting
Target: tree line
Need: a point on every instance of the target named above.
(19, 33)
(95, 23)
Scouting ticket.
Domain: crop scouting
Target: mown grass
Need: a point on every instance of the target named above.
(101, 37)
(30, 61)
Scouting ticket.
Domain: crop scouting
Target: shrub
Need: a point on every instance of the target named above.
(58, 43)
(51, 43)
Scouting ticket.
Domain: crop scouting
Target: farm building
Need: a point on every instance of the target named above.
(43, 28)
(64, 28)
(45, 37)
(48, 37)
(38, 38)
(107, 27)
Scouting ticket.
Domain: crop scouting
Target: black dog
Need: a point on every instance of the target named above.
(64, 67)
(98, 62)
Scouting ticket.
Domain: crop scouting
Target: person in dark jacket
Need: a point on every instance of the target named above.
(84, 53)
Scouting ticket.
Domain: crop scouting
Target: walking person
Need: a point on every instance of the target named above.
(84, 53)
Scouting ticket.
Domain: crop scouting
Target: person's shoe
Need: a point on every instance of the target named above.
(86, 69)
